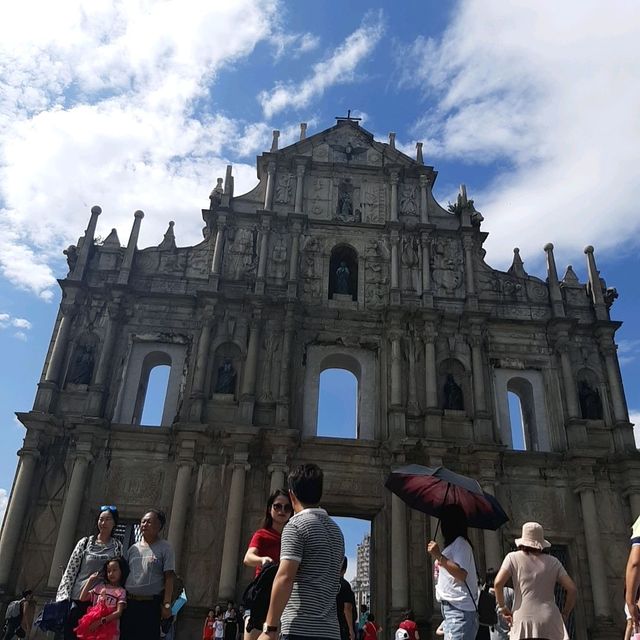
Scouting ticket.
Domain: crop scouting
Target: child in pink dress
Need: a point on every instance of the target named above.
(108, 600)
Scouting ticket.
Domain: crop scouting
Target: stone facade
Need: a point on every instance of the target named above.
(339, 257)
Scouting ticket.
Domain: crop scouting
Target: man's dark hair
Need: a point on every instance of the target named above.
(371, 617)
(409, 615)
(27, 593)
(160, 515)
(305, 482)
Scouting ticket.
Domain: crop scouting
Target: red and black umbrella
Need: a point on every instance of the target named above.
(430, 489)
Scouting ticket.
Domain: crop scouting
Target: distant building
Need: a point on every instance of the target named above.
(360, 584)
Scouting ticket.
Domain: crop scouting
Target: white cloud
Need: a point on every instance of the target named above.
(97, 106)
(628, 351)
(293, 44)
(6, 321)
(339, 68)
(4, 501)
(551, 90)
(634, 418)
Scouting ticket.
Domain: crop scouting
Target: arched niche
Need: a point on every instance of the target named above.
(83, 358)
(343, 272)
(360, 362)
(589, 395)
(453, 386)
(225, 373)
(528, 386)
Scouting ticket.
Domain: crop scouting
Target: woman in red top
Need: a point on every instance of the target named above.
(409, 625)
(371, 628)
(209, 625)
(264, 546)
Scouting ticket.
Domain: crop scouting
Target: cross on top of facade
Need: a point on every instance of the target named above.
(342, 118)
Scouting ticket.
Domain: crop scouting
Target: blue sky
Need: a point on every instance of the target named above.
(140, 105)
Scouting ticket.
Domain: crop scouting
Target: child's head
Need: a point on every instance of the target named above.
(371, 617)
(210, 614)
(116, 571)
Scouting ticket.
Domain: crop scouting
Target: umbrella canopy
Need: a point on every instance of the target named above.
(429, 489)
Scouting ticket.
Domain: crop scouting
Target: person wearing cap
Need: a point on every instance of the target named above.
(632, 580)
(88, 556)
(534, 575)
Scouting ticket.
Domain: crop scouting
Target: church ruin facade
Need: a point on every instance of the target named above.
(340, 257)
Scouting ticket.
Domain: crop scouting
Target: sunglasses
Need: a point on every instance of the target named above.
(109, 507)
(276, 506)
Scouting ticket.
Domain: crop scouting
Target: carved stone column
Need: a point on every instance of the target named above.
(85, 248)
(129, 253)
(608, 351)
(595, 551)
(475, 341)
(595, 285)
(271, 177)
(570, 393)
(555, 294)
(399, 565)
(199, 374)
(396, 368)
(424, 212)
(395, 266)
(181, 498)
(300, 168)
(282, 411)
(216, 267)
(248, 390)
(431, 374)
(467, 243)
(59, 351)
(292, 285)
(263, 255)
(72, 502)
(394, 196)
(278, 470)
(14, 519)
(492, 547)
(233, 528)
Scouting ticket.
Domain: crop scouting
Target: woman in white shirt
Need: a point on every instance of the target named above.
(457, 585)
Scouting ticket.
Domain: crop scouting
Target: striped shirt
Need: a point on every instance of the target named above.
(314, 540)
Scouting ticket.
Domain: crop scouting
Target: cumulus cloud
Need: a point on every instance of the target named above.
(338, 68)
(102, 103)
(634, 418)
(4, 501)
(550, 92)
(8, 321)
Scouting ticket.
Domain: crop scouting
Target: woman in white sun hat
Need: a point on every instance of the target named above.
(534, 575)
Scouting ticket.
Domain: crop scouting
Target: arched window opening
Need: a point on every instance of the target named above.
(524, 430)
(151, 398)
(338, 404)
(343, 272)
(517, 429)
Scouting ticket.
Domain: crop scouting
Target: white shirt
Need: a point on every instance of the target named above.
(451, 590)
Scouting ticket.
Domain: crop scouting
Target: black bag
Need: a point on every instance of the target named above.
(487, 613)
(257, 595)
(53, 616)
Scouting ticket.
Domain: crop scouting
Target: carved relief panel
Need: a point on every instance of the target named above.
(240, 253)
(448, 267)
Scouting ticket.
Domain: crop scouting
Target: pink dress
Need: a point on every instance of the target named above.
(105, 599)
(535, 614)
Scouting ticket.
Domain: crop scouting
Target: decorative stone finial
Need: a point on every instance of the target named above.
(570, 276)
(462, 195)
(589, 249)
(96, 210)
(228, 181)
(138, 214)
(548, 246)
(419, 158)
(274, 142)
(169, 240)
(392, 139)
(303, 130)
(517, 266)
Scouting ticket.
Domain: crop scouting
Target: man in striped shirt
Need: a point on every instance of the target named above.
(303, 598)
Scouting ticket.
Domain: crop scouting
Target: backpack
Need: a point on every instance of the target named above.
(487, 613)
(257, 595)
(14, 611)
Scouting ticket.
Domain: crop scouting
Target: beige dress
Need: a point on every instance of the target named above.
(535, 614)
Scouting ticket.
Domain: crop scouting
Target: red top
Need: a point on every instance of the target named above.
(371, 630)
(207, 632)
(410, 627)
(267, 543)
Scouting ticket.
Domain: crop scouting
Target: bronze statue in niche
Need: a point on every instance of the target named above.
(226, 382)
(590, 402)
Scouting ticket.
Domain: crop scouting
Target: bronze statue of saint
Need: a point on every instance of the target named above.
(453, 398)
(342, 279)
(226, 382)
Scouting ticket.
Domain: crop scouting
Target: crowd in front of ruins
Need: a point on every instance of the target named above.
(299, 591)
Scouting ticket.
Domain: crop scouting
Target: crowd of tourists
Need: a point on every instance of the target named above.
(299, 591)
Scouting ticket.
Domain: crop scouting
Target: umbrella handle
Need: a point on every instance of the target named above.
(444, 502)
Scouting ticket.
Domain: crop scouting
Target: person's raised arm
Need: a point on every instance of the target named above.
(88, 585)
(433, 549)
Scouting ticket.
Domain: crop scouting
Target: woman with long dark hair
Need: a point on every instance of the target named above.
(88, 556)
(534, 575)
(264, 546)
(457, 585)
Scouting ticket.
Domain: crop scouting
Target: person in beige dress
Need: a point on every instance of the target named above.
(534, 575)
